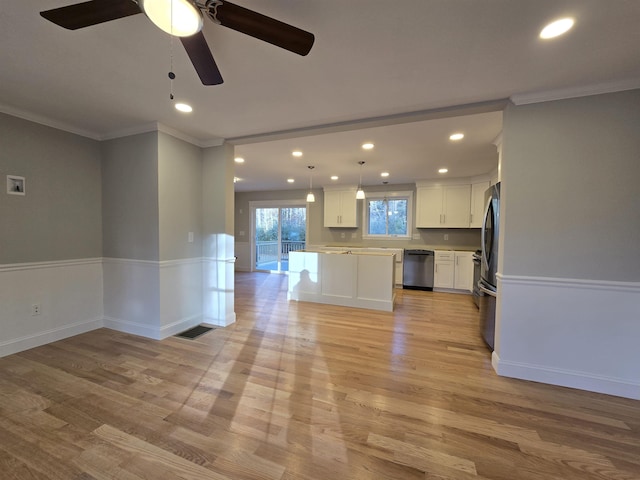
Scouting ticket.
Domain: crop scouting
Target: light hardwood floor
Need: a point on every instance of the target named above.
(304, 391)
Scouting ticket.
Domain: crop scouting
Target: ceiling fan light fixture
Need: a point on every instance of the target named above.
(181, 18)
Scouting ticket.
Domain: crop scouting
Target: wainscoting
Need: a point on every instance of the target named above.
(152, 299)
(147, 298)
(575, 333)
(69, 294)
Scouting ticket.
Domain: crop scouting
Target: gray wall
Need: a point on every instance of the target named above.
(463, 238)
(130, 210)
(217, 198)
(571, 188)
(180, 198)
(59, 217)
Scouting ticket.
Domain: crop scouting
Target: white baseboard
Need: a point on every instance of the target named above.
(152, 331)
(355, 302)
(566, 378)
(42, 338)
(220, 322)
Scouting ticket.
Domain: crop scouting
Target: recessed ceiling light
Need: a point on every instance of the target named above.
(384, 174)
(443, 170)
(334, 177)
(557, 28)
(367, 146)
(456, 136)
(296, 153)
(238, 160)
(290, 180)
(183, 107)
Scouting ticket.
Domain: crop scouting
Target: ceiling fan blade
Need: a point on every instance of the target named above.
(80, 15)
(200, 55)
(261, 27)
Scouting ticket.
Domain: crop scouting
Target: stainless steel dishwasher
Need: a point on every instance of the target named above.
(418, 269)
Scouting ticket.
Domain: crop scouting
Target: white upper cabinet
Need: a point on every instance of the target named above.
(429, 203)
(340, 208)
(477, 203)
(443, 206)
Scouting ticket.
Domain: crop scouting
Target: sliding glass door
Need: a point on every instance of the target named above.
(278, 231)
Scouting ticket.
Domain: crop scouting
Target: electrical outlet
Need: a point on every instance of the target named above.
(35, 309)
(446, 236)
(190, 237)
(342, 235)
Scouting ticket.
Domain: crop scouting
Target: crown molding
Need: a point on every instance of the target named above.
(47, 122)
(575, 92)
(135, 130)
(126, 132)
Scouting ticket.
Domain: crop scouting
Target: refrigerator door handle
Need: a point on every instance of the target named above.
(486, 290)
(485, 262)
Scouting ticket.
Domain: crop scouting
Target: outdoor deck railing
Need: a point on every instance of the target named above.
(267, 252)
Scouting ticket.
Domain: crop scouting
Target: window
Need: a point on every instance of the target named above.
(388, 215)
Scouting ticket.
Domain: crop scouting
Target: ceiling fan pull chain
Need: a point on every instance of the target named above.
(172, 75)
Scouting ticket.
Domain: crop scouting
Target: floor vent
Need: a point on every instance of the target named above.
(194, 332)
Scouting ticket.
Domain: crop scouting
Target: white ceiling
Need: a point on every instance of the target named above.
(372, 59)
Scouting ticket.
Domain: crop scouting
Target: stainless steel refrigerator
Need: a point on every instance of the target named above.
(488, 284)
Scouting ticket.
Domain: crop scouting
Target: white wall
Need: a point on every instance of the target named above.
(218, 239)
(569, 283)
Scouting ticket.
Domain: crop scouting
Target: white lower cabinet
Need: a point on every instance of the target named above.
(443, 273)
(453, 270)
(463, 271)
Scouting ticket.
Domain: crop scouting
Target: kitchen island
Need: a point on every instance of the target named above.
(358, 279)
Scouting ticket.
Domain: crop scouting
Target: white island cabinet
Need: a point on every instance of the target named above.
(359, 279)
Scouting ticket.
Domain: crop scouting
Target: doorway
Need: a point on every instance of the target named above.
(279, 229)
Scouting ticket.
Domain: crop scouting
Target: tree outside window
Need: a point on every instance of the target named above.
(388, 216)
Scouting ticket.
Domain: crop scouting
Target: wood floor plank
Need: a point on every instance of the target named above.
(302, 391)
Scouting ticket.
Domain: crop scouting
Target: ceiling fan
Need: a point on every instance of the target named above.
(183, 18)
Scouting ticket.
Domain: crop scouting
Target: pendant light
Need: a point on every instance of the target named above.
(310, 196)
(360, 192)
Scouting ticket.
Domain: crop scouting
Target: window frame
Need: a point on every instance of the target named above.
(395, 195)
